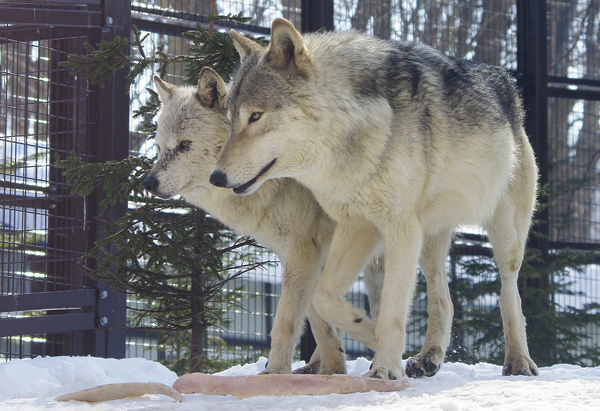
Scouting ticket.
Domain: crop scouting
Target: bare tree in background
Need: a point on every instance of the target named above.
(380, 11)
(458, 28)
(292, 10)
(490, 41)
(575, 145)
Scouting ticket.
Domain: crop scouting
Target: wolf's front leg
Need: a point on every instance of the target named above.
(352, 246)
(402, 248)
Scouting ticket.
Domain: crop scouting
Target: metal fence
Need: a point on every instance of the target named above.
(551, 47)
(47, 305)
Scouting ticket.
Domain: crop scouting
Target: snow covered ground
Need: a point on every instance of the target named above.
(33, 384)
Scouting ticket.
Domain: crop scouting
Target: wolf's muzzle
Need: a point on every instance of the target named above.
(150, 184)
(218, 179)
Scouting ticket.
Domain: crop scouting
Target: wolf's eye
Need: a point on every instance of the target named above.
(254, 117)
(184, 144)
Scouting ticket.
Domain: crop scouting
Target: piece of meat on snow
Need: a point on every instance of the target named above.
(283, 385)
(118, 391)
(240, 386)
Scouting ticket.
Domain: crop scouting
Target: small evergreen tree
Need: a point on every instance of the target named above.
(556, 333)
(176, 259)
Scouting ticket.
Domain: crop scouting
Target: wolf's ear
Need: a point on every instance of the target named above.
(164, 89)
(243, 44)
(287, 49)
(212, 91)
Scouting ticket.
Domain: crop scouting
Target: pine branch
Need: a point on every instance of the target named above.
(151, 253)
(103, 61)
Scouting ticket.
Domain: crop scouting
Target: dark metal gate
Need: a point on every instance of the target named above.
(47, 306)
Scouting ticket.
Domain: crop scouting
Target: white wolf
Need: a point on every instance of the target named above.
(282, 215)
(400, 144)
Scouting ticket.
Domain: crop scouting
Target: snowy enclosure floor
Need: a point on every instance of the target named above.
(33, 384)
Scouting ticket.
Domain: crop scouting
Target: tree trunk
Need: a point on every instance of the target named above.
(381, 11)
(197, 300)
(585, 163)
(198, 326)
(559, 110)
(490, 40)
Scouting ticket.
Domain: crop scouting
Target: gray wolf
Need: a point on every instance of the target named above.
(283, 215)
(400, 145)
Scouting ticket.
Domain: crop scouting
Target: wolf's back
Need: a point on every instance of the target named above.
(407, 72)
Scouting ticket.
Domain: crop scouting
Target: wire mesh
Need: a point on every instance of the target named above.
(190, 12)
(573, 39)
(42, 114)
(574, 143)
(484, 31)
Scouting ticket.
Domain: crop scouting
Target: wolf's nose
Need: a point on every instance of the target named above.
(218, 178)
(150, 184)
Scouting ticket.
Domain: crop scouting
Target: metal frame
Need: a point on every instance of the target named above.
(316, 15)
(46, 17)
(80, 321)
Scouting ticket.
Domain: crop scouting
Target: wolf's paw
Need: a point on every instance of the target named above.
(276, 370)
(310, 368)
(338, 367)
(421, 367)
(318, 367)
(425, 364)
(383, 374)
(520, 366)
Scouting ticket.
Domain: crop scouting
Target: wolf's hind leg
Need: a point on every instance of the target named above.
(403, 241)
(508, 233)
(508, 256)
(313, 366)
(300, 278)
(440, 309)
(328, 357)
(374, 275)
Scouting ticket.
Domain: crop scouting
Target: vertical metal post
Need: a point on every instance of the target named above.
(111, 142)
(533, 64)
(307, 343)
(270, 312)
(110, 339)
(316, 15)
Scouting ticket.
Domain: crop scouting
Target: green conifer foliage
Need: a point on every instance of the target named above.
(175, 258)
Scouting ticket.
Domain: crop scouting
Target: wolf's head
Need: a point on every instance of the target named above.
(270, 108)
(192, 128)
